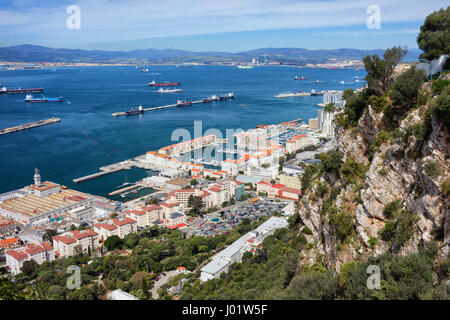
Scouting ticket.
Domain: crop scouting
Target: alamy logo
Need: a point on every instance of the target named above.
(73, 22)
(73, 281)
(374, 20)
(374, 281)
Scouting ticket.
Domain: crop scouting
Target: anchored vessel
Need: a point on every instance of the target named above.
(20, 90)
(299, 78)
(29, 98)
(245, 67)
(226, 96)
(154, 84)
(183, 103)
(210, 99)
(139, 110)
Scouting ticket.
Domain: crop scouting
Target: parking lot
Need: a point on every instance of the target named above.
(230, 218)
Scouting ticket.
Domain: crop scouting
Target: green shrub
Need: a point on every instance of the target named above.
(307, 230)
(343, 224)
(446, 187)
(391, 208)
(352, 170)
(373, 242)
(432, 169)
(382, 137)
(388, 232)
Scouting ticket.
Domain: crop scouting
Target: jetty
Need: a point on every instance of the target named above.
(124, 165)
(29, 125)
(220, 98)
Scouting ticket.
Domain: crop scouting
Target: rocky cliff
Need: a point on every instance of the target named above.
(404, 168)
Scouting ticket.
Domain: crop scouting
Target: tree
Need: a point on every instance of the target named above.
(194, 182)
(380, 73)
(434, 36)
(152, 200)
(405, 90)
(331, 107)
(29, 266)
(442, 109)
(113, 242)
(196, 203)
(49, 234)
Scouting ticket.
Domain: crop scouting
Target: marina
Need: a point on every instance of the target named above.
(30, 125)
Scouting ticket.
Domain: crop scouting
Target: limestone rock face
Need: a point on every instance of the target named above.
(394, 173)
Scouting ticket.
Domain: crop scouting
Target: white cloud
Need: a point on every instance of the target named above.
(108, 20)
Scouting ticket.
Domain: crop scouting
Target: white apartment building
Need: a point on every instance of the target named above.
(333, 96)
(234, 252)
(66, 243)
(39, 253)
(325, 122)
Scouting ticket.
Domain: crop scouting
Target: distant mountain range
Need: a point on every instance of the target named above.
(33, 53)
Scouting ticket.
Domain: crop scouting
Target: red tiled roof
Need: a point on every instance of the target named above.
(123, 222)
(278, 186)
(214, 189)
(291, 190)
(151, 208)
(105, 226)
(169, 205)
(17, 254)
(83, 234)
(178, 226)
(64, 239)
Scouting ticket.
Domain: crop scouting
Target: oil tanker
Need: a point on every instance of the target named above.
(154, 84)
(20, 90)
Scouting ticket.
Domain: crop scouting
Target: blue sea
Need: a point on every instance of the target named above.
(88, 137)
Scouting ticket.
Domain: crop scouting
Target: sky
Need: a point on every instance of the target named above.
(214, 25)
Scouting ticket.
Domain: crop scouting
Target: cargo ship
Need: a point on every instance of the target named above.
(299, 78)
(183, 103)
(314, 93)
(210, 99)
(227, 96)
(20, 90)
(131, 112)
(154, 84)
(29, 98)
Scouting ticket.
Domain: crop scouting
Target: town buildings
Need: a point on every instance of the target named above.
(6, 226)
(15, 258)
(71, 242)
(234, 252)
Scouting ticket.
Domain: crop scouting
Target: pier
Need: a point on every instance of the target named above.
(123, 190)
(124, 165)
(116, 114)
(30, 125)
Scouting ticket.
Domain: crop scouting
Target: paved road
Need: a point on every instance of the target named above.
(163, 279)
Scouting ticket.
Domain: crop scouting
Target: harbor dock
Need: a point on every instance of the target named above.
(141, 110)
(124, 165)
(29, 125)
(123, 190)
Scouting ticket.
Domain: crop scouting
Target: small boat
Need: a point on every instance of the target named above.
(300, 78)
(183, 103)
(161, 90)
(145, 70)
(356, 80)
(357, 69)
(319, 81)
(342, 82)
(29, 98)
(139, 110)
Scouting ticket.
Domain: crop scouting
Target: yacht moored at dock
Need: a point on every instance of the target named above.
(20, 90)
(29, 98)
